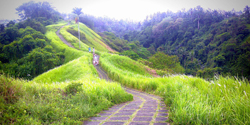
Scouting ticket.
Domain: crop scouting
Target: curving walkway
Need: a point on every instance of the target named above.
(61, 37)
(145, 109)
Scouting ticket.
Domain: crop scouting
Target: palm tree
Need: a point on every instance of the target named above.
(78, 12)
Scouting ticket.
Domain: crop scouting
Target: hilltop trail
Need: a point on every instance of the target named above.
(145, 109)
(61, 37)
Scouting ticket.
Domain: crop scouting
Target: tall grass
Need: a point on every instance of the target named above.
(39, 103)
(192, 100)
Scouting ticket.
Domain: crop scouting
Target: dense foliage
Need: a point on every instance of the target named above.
(42, 12)
(205, 40)
(24, 49)
(26, 52)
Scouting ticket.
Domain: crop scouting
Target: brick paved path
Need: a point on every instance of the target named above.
(145, 109)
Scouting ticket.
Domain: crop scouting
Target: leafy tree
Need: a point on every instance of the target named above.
(131, 54)
(37, 10)
(247, 13)
(166, 62)
(33, 24)
(11, 23)
(2, 27)
(77, 11)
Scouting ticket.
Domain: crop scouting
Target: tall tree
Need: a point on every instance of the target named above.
(78, 12)
(37, 10)
(247, 13)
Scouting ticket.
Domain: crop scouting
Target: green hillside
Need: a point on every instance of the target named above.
(88, 37)
(70, 93)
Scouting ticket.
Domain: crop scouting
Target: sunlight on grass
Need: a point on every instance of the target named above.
(72, 39)
(91, 37)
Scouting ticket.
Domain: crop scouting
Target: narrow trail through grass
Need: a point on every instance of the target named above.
(61, 37)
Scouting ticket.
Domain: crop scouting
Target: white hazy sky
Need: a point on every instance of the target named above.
(136, 10)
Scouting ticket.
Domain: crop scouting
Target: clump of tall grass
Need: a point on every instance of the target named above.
(192, 100)
(59, 103)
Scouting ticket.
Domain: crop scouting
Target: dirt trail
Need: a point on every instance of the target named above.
(61, 37)
(145, 109)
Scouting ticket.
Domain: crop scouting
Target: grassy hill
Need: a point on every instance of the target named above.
(67, 94)
(88, 37)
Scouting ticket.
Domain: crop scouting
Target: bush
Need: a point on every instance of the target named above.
(73, 88)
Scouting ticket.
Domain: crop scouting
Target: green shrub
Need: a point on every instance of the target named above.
(73, 88)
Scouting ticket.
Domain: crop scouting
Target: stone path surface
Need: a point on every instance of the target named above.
(145, 109)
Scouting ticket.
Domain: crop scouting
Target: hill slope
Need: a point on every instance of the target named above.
(70, 93)
(88, 37)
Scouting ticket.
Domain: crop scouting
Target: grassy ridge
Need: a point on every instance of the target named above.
(70, 53)
(125, 65)
(192, 100)
(72, 39)
(68, 94)
(80, 68)
(91, 37)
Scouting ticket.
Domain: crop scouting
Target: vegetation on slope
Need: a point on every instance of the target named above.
(70, 53)
(209, 41)
(92, 38)
(192, 100)
(25, 102)
(68, 94)
(26, 52)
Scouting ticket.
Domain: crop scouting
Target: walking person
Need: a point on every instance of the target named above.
(93, 50)
(89, 49)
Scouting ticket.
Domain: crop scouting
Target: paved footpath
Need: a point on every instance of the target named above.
(145, 109)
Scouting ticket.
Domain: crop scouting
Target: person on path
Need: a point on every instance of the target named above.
(93, 50)
(95, 60)
(89, 49)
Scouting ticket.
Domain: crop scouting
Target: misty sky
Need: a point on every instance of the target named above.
(124, 9)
